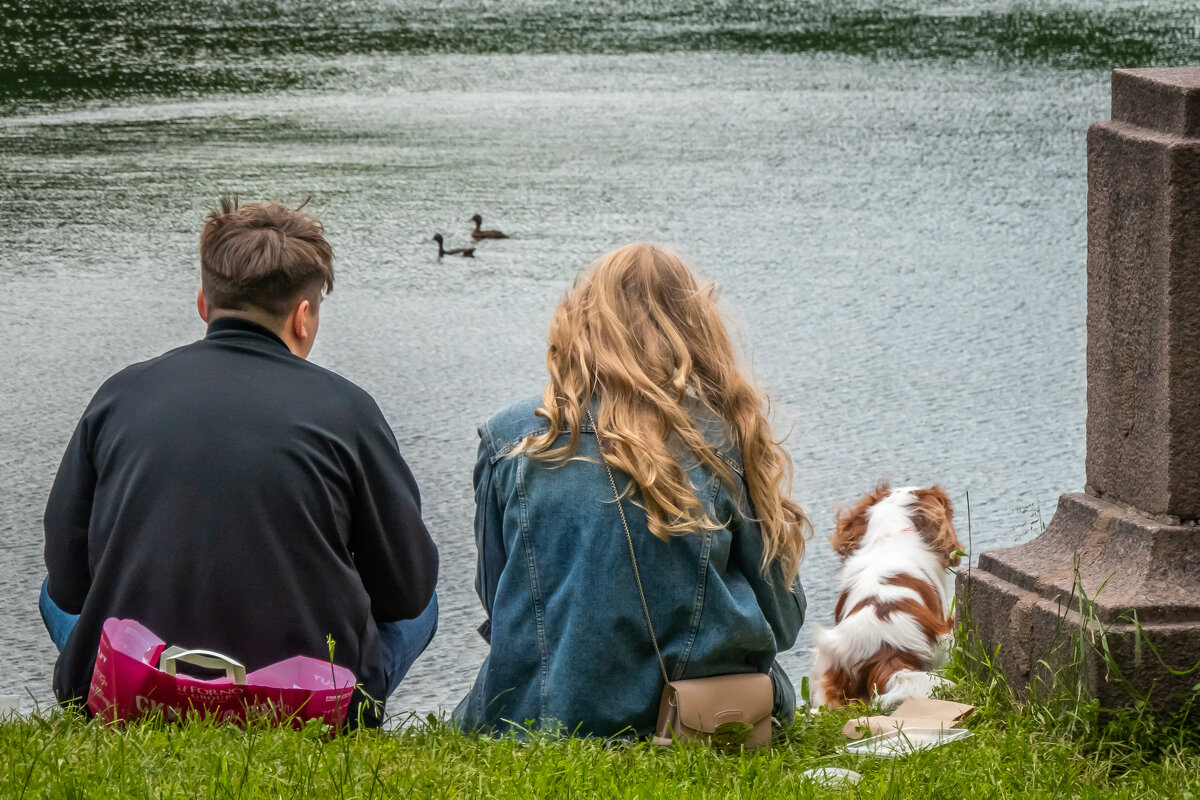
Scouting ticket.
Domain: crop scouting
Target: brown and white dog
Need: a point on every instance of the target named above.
(893, 610)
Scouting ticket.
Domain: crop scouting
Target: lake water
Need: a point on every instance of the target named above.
(892, 198)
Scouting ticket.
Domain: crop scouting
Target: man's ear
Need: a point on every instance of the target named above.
(299, 321)
(202, 305)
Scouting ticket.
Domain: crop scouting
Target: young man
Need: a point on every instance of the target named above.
(231, 496)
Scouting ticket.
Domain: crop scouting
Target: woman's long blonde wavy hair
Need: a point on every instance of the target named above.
(641, 332)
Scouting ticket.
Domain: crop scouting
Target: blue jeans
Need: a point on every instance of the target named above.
(400, 642)
(58, 622)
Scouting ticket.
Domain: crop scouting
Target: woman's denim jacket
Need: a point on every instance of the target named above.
(569, 644)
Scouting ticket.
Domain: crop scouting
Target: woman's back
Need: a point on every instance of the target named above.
(568, 633)
(642, 369)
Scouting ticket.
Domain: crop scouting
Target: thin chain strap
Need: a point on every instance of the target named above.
(637, 576)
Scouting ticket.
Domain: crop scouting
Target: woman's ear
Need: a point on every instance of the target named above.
(851, 524)
(933, 517)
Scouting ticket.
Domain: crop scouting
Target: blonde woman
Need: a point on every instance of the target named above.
(641, 367)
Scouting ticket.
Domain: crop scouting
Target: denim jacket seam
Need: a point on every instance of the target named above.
(500, 453)
(536, 591)
(698, 608)
(733, 464)
(701, 588)
(494, 492)
(489, 440)
(510, 442)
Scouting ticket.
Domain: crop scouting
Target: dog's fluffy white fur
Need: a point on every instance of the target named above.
(894, 599)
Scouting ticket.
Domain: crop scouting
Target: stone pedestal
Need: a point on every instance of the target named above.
(1132, 543)
(1143, 317)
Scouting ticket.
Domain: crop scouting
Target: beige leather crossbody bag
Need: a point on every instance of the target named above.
(724, 711)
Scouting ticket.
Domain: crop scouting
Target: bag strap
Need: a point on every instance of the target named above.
(637, 576)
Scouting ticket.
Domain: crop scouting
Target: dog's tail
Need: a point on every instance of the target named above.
(817, 695)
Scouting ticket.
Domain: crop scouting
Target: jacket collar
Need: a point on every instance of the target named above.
(238, 328)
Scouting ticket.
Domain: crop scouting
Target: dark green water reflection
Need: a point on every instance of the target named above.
(67, 49)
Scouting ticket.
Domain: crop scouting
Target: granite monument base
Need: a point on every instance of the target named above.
(1140, 584)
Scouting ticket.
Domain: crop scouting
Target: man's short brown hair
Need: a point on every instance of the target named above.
(263, 256)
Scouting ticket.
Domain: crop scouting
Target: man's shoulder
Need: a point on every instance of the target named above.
(342, 392)
(129, 376)
(506, 429)
(341, 399)
(345, 389)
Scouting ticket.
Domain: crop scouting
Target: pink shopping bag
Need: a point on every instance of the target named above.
(135, 676)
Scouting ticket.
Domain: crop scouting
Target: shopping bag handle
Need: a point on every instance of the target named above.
(234, 670)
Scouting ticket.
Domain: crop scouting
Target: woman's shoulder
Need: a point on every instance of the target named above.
(508, 428)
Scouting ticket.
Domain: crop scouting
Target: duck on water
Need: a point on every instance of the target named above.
(465, 252)
(479, 234)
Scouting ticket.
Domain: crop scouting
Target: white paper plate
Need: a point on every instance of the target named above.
(897, 744)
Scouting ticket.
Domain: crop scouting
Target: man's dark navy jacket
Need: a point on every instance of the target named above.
(234, 497)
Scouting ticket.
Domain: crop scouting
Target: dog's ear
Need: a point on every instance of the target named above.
(851, 524)
(933, 516)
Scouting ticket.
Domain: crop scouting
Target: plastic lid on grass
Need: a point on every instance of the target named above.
(10, 706)
(829, 776)
(900, 743)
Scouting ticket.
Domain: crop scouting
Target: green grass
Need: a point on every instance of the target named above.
(1054, 741)
(1062, 745)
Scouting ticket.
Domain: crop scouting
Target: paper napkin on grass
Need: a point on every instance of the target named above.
(915, 712)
